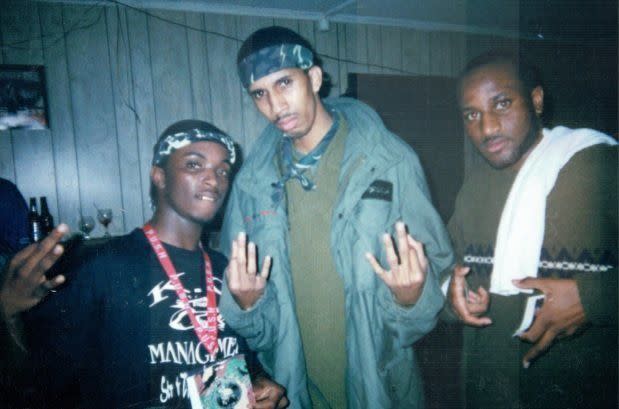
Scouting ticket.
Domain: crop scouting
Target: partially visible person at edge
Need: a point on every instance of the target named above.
(20, 273)
(323, 192)
(13, 220)
(23, 284)
(541, 219)
(119, 333)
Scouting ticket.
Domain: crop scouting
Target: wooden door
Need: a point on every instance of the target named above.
(423, 112)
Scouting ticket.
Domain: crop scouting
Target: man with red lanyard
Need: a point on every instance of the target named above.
(140, 313)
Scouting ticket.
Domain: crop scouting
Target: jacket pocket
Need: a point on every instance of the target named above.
(374, 215)
(400, 383)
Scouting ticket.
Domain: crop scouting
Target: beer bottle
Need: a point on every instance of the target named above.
(46, 220)
(34, 221)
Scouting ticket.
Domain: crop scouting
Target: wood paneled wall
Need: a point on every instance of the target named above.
(116, 77)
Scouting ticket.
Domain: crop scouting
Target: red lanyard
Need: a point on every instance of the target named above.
(207, 334)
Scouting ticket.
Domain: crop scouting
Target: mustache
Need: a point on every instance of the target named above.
(282, 116)
(489, 139)
(214, 191)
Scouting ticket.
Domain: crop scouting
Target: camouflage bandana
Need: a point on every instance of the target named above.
(169, 143)
(271, 59)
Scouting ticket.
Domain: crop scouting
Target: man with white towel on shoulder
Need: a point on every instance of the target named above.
(541, 219)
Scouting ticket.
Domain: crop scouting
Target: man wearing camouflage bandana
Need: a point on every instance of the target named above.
(270, 59)
(322, 193)
(168, 143)
(127, 328)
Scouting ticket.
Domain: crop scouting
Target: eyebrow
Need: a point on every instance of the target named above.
(276, 81)
(283, 77)
(501, 95)
(194, 153)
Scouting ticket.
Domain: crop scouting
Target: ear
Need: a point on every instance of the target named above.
(537, 96)
(157, 176)
(315, 74)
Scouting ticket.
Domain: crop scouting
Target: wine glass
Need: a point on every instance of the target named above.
(86, 225)
(105, 218)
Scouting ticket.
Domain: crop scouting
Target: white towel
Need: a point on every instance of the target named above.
(521, 229)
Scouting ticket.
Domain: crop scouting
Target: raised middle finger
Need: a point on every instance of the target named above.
(403, 249)
(241, 255)
(251, 262)
(392, 258)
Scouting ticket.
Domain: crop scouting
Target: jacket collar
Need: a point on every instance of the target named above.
(362, 149)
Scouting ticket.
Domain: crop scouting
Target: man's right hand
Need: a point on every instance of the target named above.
(25, 284)
(269, 394)
(468, 305)
(244, 283)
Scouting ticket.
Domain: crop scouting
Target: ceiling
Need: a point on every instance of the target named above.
(563, 20)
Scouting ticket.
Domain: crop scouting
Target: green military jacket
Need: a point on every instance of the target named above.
(382, 371)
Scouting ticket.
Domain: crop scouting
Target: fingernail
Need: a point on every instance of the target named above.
(399, 225)
(526, 364)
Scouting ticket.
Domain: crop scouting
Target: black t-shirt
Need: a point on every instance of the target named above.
(174, 347)
(114, 335)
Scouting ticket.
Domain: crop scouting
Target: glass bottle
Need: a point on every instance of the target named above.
(34, 221)
(46, 219)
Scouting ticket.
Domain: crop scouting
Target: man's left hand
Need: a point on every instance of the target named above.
(561, 315)
(269, 394)
(408, 274)
(25, 283)
(245, 283)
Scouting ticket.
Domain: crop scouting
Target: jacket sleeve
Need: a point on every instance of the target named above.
(426, 226)
(258, 325)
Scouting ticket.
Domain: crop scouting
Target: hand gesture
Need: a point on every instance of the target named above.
(406, 276)
(561, 315)
(269, 395)
(468, 305)
(245, 285)
(25, 284)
